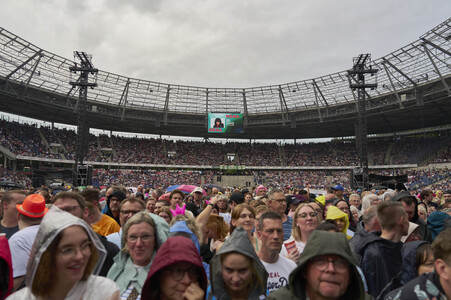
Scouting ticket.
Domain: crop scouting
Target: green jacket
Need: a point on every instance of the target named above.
(322, 243)
(123, 272)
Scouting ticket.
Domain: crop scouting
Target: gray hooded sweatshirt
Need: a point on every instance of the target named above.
(238, 242)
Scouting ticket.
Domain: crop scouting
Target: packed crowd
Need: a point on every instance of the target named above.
(29, 140)
(213, 243)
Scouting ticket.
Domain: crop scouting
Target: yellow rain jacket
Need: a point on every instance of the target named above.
(334, 213)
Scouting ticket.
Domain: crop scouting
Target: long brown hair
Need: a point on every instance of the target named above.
(44, 279)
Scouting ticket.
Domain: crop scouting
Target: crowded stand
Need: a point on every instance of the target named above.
(30, 140)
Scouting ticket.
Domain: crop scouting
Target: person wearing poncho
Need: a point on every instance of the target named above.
(64, 259)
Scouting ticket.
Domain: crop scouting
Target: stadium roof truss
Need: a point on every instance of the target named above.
(414, 90)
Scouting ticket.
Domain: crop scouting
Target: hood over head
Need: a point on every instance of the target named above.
(118, 194)
(327, 243)
(181, 227)
(436, 222)
(409, 253)
(334, 213)
(175, 250)
(53, 223)
(238, 242)
(406, 194)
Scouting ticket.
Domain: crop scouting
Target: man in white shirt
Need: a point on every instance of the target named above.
(270, 232)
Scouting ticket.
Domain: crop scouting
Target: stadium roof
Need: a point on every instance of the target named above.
(413, 92)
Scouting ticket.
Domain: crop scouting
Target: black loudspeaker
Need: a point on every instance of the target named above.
(84, 175)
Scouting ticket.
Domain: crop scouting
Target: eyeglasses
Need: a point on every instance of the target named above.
(321, 264)
(127, 212)
(72, 251)
(177, 274)
(69, 209)
(304, 215)
(318, 210)
(144, 238)
(114, 200)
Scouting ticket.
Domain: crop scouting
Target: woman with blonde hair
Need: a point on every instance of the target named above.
(305, 221)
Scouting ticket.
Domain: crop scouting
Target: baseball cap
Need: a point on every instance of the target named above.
(338, 187)
(198, 190)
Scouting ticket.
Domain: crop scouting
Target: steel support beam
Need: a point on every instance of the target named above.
(124, 99)
(393, 86)
(283, 105)
(400, 72)
(23, 64)
(436, 68)
(245, 109)
(436, 46)
(166, 106)
(206, 108)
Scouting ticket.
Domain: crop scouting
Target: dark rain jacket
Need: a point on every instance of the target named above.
(408, 272)
(237, 242)
(381, 261)
(322, 243)
(423, 229)
(425, 286)
(6, 285)
(175, 250)
(358, 238)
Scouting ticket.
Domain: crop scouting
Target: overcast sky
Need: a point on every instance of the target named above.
(228, 43)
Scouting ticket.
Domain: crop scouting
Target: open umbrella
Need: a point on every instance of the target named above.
(172, 187)
(189, 188)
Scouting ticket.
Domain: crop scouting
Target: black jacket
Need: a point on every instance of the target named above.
(408, 272)
(381, 261)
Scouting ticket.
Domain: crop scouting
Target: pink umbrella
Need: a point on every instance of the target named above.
(189, 188)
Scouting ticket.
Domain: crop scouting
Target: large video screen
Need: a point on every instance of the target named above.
(225, 123)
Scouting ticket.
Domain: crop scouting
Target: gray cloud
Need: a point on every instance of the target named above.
(222, 43)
